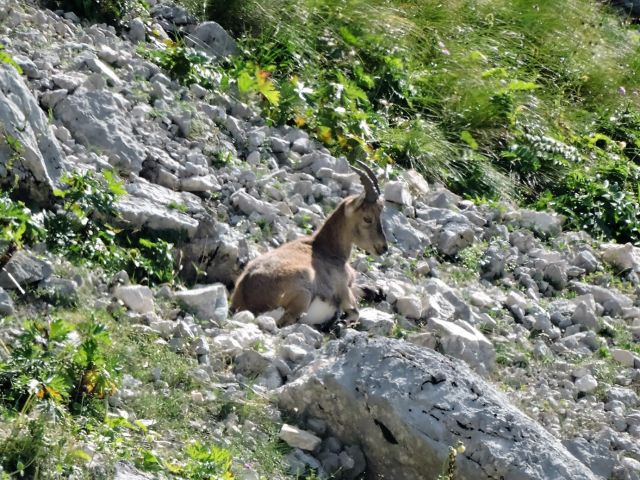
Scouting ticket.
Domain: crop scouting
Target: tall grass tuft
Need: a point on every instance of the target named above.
(495, 98)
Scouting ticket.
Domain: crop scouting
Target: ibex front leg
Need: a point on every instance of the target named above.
(349, 305)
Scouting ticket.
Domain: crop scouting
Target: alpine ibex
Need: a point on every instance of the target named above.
(310, 277)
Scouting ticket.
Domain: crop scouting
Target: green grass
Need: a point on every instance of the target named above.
(533, 101)
(46, 428)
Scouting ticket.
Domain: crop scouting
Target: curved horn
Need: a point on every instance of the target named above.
(369, 188)
(374, 179)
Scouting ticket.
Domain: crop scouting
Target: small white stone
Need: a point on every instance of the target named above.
(198, 90)
(244, 316)
(621, 257)
(136, 30)
(138, 298)
(625, 357)
(516, 299)
(294, 353)
(416, 181)
(208, 303)
(410, 307)
(197, 397)
(266, 323)
(376, 321)
(586, 383)
(298, 438)
(482, 300)
(397, 192)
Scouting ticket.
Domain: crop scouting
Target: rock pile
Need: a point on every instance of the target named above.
(529, 308)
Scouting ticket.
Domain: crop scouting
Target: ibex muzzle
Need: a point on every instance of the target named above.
(314, 271)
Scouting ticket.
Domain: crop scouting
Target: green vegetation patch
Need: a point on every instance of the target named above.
(59, 420)
(535, 102)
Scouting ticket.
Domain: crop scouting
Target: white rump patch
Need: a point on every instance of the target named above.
(319, 312)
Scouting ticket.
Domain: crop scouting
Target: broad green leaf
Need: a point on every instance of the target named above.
(477, 56)
(246, 83)
(467, 138)
(498, 72)
(519, 85)
(115, 184)
(349, 37)
(58, 330)
(270, 92)
(80, 455)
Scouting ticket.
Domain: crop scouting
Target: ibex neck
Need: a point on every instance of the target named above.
(334, 237)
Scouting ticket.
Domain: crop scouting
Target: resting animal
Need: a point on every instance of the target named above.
(310, 277)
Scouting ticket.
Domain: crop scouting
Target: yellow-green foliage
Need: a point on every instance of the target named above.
(533, 100)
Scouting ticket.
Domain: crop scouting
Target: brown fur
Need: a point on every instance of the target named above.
(292, 275)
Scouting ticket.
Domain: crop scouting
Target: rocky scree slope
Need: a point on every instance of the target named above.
(539, 328)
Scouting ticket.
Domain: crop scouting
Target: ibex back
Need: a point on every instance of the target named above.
(310, 277)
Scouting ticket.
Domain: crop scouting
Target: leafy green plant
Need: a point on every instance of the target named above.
(82, 233)
(78, 230)
(498, 99)
(17, 225)
(471, 256)
(54, 373)
(206, 461)
(180, 207)
(44, 368)
(183, 63)
(449, 467)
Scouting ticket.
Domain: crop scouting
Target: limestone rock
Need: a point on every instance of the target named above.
(625, 357)
(586, 383)
(138, 298)
(406, 405)
(543, 223)
(593, 454)
(376, 321)
(96, 119)
(584, 315)
(410, 307)
(215, 38)
(34, 153)
(208, 303)
(621, 257)
(416, 182)
(398, 229)
(24, 268)
(397, 192)
(137, 31)
(454, 237)
(126, 471)
(298, 438)
(136, 212)
(460, 340)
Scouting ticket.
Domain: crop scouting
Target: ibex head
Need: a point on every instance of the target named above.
(364, 212)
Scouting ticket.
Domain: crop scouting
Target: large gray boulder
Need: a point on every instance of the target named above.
(23, 269)
(98, 119)
(399, 230)
(28, 148)
(406, 405)
(214, 38)
(140, 212)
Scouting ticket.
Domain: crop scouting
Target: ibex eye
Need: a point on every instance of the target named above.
(368, 219)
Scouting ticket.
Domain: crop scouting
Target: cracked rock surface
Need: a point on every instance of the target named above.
(407, 405)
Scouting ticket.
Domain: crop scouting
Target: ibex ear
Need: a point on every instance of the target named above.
(355, 204)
